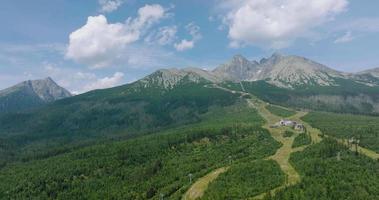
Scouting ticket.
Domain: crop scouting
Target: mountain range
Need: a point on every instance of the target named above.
(289, 72)
(31, 94)
(300, 82)
(145, 137)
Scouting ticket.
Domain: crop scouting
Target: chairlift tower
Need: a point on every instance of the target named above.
(190, 177)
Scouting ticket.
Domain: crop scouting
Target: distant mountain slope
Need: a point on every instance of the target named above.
(373, 72)
(30, 94)
(291, 72)
(169, 78)
(279, 70)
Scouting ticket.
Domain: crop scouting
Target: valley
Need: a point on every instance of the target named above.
(189, 134)
(189, 100)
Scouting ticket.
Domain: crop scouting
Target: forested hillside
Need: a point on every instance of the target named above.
(120, 112)
(145, 167)
(346, 126)
(325, 175)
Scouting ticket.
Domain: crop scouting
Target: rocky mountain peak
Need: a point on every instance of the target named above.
(168, 78)
(48, 90)
(237, 69)
(279, 70)
(31, 93)
(238, 60)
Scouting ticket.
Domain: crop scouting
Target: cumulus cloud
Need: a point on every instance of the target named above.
(107, 6)
(185, 44)
(106, 82)
(99, 43)
(276, 23)
(347, 37)
(79, 81)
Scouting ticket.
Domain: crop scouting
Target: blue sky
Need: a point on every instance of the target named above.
(85, 45)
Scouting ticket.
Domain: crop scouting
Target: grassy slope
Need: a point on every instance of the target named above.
(276, 110)
(325, 177)
(147, 166)
(346, 126)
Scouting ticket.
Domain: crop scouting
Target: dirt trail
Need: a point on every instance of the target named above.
(198, 188)
(283, 154)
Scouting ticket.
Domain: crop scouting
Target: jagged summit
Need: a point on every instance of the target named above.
(237, 69)
(278, 69)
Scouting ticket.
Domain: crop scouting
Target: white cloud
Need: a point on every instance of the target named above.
(100, 44)
(106, 82)
(276, 23)
(194, 30)
(107, 6)
(347, 37)
(164, 36)
(78, 81)
(185, 44)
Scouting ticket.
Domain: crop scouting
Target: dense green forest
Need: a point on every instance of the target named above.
(139, 142)
(245, 180)
(279, 111)
(327, 176)
(288, 133)
(344, 126)
(144, 167)
(117, 113)
(301, 140)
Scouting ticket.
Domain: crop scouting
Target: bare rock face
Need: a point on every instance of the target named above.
(238, 69)
(282, 71)
(48, 90)
(30, 94)
(169, 78)
(292, 71)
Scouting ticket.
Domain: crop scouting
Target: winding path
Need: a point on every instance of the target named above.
(281, 156)
(198, 188)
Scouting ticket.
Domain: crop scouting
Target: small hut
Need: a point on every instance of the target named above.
(299, 127)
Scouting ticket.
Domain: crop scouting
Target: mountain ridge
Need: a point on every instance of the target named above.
(282, 71)
(31, 93)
